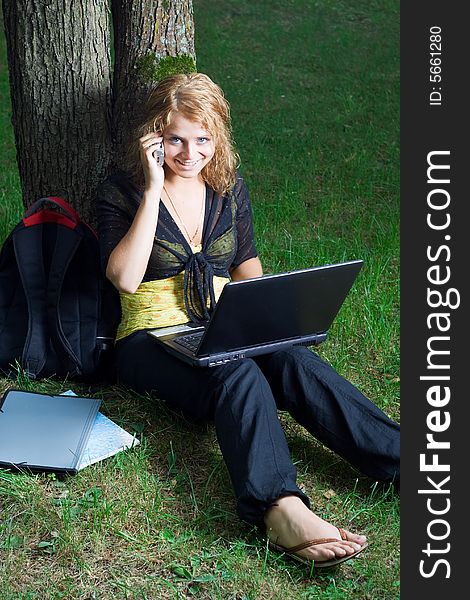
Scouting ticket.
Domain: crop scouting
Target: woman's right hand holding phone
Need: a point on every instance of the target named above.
(128, 261)
(153, 171)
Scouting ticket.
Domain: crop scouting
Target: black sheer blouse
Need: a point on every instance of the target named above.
(227, 239)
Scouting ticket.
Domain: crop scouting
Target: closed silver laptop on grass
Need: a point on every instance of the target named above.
(264, 314)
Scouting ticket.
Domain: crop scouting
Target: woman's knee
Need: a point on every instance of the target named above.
(242, 385)
(237, 375)
(293, 355)
(285, 365)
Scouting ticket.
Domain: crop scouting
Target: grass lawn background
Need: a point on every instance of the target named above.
(314, 91)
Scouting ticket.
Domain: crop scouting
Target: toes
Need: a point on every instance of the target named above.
(334, 551)
(353, 547)
(340, 551)
(327, 555)
(330, 550)
(325, 552)
(355, 538)
(343, 549)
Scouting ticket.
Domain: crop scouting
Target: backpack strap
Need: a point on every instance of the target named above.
(67, 243)
(57, 202)
(27, 244)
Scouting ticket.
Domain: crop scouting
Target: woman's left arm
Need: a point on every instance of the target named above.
(247, 264)
(247, 270)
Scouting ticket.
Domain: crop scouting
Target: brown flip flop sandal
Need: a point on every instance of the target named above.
(317, 563)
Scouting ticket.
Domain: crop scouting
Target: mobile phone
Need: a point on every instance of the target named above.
(159, 155)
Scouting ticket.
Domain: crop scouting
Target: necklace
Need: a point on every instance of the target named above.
(191, 238)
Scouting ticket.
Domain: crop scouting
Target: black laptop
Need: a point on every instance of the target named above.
(264, 314)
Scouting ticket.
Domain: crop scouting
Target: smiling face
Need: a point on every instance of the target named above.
(189, 147)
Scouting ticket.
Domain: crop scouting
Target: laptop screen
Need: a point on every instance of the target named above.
(276, 307)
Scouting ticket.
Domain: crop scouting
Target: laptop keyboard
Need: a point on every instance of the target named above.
(190, 341)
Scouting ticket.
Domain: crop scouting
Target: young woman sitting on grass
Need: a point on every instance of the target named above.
(171, 237)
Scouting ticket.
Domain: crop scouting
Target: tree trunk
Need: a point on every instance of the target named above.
(67, 127)
(60, 78)
(144, 33)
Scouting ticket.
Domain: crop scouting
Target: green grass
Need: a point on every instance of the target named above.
(314, 91)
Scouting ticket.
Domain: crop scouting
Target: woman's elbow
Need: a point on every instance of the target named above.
(126, 289)
(123, 284)
(247, 270)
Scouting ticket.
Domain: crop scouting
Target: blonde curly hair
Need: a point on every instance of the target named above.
(197, 98)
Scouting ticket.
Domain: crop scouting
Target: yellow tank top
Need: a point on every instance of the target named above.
(158, 303)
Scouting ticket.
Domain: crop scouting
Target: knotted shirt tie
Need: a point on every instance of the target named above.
(198, 288)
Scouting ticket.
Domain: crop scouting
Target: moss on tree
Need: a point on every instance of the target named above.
(151, 69)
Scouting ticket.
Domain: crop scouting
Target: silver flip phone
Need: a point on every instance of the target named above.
(159, 155)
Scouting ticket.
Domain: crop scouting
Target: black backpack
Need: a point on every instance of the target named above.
(58, 313)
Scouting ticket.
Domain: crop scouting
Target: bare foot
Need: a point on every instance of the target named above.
(290, 523)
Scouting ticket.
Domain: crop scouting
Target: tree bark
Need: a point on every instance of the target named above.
(60, 79)
(144, 32)
(68, 123)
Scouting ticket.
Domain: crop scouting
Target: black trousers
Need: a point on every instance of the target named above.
(242, 398)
